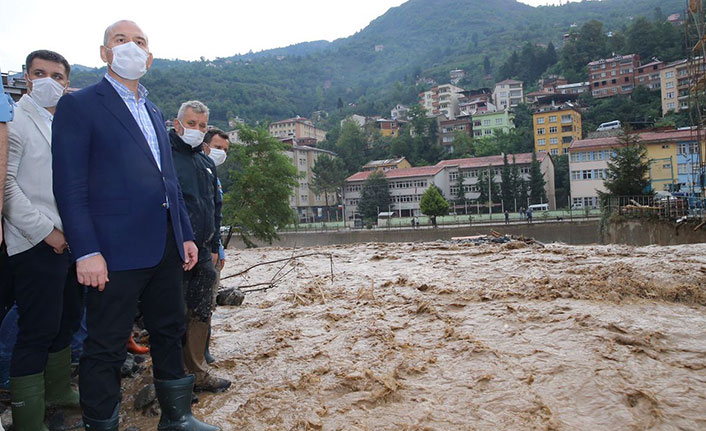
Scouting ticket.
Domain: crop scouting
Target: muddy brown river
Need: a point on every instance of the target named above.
(449, 336)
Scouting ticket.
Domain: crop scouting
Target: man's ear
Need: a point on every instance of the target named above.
(104, 54)
(149, 61)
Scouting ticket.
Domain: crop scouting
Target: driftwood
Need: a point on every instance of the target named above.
(279, 275)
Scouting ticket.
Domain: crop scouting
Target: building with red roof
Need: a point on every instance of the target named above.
(408, 185)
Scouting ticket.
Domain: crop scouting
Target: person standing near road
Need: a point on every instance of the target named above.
(215, 145)
(47, 295)
(126, 224)
(199, 185)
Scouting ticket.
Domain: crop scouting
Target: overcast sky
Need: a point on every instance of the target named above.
(181, 29)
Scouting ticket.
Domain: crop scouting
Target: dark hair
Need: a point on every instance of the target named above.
(213, 132)
(45, 54)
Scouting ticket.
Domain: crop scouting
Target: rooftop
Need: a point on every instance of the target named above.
(649, 137)
(421, 171)
(616, 58)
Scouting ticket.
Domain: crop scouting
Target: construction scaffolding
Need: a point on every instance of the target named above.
(695, 38)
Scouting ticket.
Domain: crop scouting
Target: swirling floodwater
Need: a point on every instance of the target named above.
(455, 336)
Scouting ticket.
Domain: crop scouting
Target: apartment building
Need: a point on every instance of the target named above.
(508, 94)
(648, 75)
(573, 88)
(555, 128)
(612, 76)
(442, 100)
(476, 101)
(676, 79)
(449, 128)
(308, 205)
(389, 128)
(673, 158)
(408, 185)
(490, 123)
(399, 112)
(298, 127)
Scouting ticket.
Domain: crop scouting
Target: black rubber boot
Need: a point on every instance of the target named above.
(207, 354)
(175, 400)
(110, 424)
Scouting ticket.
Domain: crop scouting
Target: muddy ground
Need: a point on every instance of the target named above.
(449, 336)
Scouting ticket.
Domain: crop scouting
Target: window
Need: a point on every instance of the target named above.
(669, 74)
(302, 162)
(498, 121)
(667, 166)
(540, 131)
(552, 118)
(670, 105)
(453, 176)
(553, 141)
(540, 120)
(553, 129)
(487, 132)
(670, 95)
(486, 122)
(669, 84)
(665, 146)
(541, 141)
(567, 139)
(525, 170)
(566, 118)
(554, 151)
(567, 129)
(683, 168)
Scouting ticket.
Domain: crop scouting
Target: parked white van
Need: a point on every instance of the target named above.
(609, 126)
(539, 207)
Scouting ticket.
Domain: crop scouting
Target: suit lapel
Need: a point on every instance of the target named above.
(116, 106)
(36, 117)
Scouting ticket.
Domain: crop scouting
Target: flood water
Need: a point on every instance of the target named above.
(448, 336)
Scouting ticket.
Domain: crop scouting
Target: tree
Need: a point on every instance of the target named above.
(350, 146)
(433, 204)
(561, 180)
(486, 176)
(517, 186)
(536, 182)
(507, 188)
(329, 174)
(258, 205)
(374, 197)
(628, 169)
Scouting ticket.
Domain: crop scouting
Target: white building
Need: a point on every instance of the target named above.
(408, 185)
(308, 205)
(508, 94)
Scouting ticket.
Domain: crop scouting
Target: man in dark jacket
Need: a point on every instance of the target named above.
(199, 186)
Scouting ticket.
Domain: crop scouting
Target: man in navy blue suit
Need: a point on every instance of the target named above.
(127, 227)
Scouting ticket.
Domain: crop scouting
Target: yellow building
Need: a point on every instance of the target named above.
(555, 128)
(662, 156)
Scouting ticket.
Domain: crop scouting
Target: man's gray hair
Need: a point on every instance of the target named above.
(195, 106)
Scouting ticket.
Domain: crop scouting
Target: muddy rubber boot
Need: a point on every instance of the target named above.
(27, 395)
(175, 400)
(207, 354)
(110, 424)
(58, 391)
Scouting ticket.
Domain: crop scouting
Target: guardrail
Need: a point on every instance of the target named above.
(656, 207)
(447, 221)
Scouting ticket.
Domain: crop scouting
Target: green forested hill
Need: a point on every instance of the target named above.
(420, 38)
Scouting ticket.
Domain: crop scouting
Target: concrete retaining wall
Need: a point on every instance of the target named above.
(648, 232)
(570, 232)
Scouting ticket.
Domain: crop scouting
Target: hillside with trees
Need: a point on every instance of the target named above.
(419, 39)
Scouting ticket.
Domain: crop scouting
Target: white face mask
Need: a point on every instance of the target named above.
(193, 137)
(129, 61)
(218, 156)
(46, 92)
